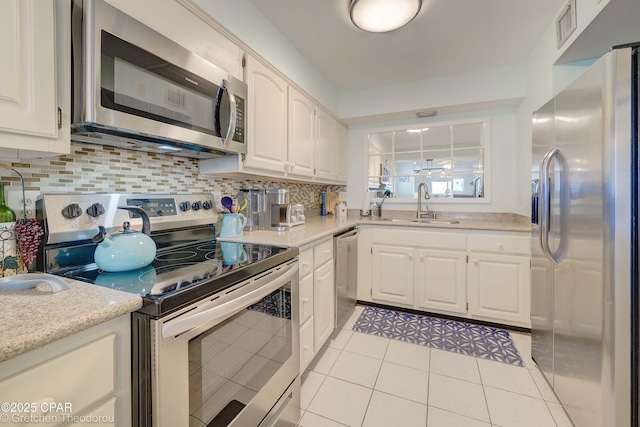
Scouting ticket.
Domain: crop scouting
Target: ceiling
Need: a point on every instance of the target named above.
(447, 37)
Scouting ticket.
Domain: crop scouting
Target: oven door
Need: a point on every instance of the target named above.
(231, 359)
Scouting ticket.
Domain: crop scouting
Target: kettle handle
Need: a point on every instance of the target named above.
(146, 224)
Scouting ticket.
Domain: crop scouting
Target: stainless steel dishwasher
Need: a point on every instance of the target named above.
(345, 246)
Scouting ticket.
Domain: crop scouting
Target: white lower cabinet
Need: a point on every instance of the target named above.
(392, 278)
(441, 280)
(465, 273)
(496, 287)
(323, 304)
(317, 299)
(86, 376)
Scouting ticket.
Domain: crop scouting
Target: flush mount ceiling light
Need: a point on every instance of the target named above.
(380, 16)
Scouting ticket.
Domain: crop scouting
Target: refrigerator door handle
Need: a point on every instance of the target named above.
(545, 205)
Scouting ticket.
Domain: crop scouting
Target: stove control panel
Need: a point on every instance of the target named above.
(75, 217)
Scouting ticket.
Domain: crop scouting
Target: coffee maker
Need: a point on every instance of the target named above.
(256, 210)
(281, 215)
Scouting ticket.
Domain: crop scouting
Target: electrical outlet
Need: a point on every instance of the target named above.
(217, 195)
(15, 202)
(342, 196)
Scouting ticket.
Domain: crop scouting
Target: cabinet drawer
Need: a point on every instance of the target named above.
(419, 238)
(306, 262)
(306, 298)
(80, 377)
(322, 253)
(500, 243)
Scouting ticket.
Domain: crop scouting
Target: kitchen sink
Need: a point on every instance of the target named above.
(424, 221)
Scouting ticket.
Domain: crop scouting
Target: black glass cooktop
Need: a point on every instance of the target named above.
(181, 275)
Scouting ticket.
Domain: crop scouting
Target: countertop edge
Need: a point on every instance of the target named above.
(317, 228)
(32, 319)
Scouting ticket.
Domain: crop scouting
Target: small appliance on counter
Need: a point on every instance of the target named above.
(256, 207)
(280, 214)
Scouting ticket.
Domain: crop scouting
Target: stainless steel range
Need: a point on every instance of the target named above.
(215, 343)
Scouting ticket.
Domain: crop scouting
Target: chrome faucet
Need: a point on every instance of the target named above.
(420, 213)
(477, 187)
(387, 193)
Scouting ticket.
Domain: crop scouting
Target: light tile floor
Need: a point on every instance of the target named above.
(364, 380)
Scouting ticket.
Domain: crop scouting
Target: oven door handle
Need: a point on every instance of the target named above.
(189, 321)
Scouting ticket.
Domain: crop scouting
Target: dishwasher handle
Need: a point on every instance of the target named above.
(348, 236)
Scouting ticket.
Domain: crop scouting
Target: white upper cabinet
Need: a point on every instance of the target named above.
(340, 153)
(288, 134)
(34, 74)
(302, 133)
(325, 141)
(266, 118)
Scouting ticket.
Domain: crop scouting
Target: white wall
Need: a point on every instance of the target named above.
(459, 89)
(246, 22)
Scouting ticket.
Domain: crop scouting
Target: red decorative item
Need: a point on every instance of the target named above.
(29, 233)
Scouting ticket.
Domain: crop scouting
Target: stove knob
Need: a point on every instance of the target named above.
(95, 210)
(196, 206)
(71, 211)
(185, 206)
(206, 205)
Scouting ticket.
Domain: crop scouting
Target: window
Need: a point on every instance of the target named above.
(451, 159)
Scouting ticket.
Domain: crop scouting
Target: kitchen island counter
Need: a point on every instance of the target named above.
(322, 226)
(33, 318)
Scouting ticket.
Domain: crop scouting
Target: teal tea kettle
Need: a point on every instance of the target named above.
(127, 249)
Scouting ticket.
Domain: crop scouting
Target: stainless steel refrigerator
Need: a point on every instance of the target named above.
(584, 269)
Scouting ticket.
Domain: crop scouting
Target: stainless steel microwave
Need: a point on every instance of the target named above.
(134, 88)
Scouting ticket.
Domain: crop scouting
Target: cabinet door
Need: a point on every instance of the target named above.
(306, 298)
(498, 288)
(340, 154)
(441, 280)
(306, 344)
(392, 274)
(302, 134)
(323, 304)
(266, 119)
(325, 129)
(27, 71)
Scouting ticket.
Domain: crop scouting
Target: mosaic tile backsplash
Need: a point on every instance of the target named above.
(100, 169)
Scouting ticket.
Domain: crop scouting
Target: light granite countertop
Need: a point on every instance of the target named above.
(319, 227)
(32, 318)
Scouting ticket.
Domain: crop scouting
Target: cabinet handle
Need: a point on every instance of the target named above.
(305, 348)
(421, 257)
(500, 246)
(305, 300)
(410, 257)
(305, 264)
(293, 166)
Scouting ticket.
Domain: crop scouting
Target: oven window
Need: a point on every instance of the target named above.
(231, 363)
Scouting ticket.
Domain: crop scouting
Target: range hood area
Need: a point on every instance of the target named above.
(92, 133)
(134, 88)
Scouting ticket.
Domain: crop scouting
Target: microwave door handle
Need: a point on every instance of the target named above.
(232, 113)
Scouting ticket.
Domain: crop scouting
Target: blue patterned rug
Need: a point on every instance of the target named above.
(450, 335)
